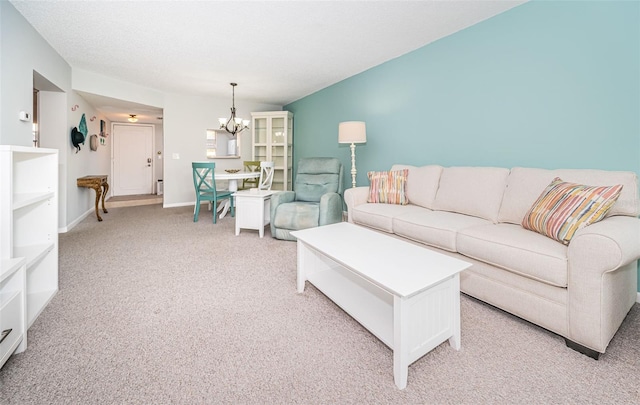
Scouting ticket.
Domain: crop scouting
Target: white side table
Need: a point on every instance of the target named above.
(252, 210)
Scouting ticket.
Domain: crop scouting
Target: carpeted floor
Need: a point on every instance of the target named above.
(156, 309)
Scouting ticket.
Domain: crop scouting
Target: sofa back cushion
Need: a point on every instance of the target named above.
(475, 191)
(524, 186)
(422, 183)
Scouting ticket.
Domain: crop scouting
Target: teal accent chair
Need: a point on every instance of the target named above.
(204, 181)
(316, 198)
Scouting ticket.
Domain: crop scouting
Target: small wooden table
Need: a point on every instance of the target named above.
(100, 185)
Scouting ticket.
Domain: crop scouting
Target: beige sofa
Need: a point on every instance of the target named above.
(581, 291)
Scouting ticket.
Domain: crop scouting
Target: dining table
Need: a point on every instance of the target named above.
(232, 179)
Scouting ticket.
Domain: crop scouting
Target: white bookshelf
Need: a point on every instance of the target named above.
(13, 318)
(29, 215)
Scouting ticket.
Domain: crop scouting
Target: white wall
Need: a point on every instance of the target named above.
(52, 121)
(23, 50)
(81, 201)
(95, 83)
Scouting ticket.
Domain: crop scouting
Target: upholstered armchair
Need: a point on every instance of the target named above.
(316, 198)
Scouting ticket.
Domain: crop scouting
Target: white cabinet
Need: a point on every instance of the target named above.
(252, 210)
(29, 215)
(13, 316)
(272, 141)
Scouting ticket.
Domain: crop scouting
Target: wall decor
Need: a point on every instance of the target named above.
(211, 145)
(103, 125)
(77, 138)
(93, 142)
(82, 127)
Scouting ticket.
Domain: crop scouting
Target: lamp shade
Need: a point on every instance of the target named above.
(352, 132)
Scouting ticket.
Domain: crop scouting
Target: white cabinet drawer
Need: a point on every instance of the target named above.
(11, 314)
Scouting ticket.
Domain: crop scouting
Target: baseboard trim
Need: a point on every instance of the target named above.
(183, 204)
(71, 225)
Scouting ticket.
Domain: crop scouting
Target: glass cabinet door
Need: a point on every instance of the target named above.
(260, 153)
(289, 168)
(277, 155)
(277, 131)
(260, 131)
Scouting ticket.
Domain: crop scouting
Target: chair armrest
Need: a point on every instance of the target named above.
(330, 209)
(602, 278)
(278, 198)
(354, 197)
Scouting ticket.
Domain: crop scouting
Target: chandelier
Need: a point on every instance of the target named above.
(234, 125)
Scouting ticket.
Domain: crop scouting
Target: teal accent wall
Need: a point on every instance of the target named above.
(545, 84)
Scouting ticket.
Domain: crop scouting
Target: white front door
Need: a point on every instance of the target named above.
(132, 159)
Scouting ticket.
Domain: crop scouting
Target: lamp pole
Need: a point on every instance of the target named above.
(353, 165)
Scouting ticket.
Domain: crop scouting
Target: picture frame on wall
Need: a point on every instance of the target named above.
(103, 129)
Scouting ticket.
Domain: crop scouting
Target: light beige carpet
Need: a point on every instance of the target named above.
(156, 309)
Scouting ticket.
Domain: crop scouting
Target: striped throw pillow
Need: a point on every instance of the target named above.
(388, 187)
(564, 208)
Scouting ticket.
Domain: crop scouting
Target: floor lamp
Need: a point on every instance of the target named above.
(352, 132)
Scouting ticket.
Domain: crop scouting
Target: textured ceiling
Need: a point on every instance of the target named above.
(277, 51)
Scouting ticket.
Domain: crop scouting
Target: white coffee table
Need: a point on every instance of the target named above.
(406, 295)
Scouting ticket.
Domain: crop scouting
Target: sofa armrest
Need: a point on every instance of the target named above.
(602, 278)
(619, 234)
(278, 198)
(354, 197)
(330, 209)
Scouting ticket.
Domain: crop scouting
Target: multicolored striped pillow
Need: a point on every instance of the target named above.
(388, 187)
(564, 208)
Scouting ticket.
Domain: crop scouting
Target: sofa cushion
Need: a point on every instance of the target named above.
(524, 186)
(380, 216)
(388, 187)
(563, 208)
(422, 183)
(434, 228)
(475, 191)
(516, 249)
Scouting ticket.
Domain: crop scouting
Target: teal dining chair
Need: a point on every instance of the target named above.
(204, 181)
